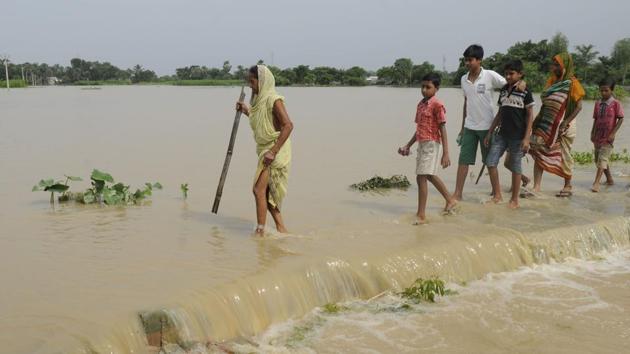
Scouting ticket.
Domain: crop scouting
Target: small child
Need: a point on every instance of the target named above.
(607, 118)
(430, 131)
(515, 118)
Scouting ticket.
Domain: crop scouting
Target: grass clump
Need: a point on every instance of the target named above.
(587, 157)
(378, 182)
(425, 290)
(13, 84)
(332, 308)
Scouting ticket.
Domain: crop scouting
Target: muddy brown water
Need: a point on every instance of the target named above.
(74, 278)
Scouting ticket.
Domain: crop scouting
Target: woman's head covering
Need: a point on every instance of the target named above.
(576, 91)
(267, 94)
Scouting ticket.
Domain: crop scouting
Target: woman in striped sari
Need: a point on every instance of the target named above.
(554, 129)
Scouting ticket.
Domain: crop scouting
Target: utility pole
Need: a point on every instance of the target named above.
(22, 66)
(5, 59)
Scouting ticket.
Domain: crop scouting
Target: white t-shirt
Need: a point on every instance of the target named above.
(480, 99)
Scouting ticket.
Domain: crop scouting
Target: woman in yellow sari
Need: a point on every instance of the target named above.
(554, 129)
(272, 127)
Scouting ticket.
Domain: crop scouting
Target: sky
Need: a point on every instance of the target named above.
(165, 35)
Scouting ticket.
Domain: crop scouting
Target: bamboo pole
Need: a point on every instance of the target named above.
(228, 155)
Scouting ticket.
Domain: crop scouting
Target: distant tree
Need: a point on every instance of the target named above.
(402, 71)
(583, 59)
(301, 71)
(227, 67)
(139, 74)
(559, 43)
(418, 71)
(621, 57)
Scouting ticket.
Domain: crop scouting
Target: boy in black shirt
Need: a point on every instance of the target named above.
(515, 117)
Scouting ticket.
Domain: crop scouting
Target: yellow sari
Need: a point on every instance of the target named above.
(265, 135)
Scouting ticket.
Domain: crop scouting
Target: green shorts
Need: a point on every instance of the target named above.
(468, 150)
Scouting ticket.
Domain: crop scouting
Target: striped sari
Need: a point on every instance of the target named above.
(551, 147)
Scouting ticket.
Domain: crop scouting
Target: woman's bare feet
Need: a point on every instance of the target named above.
(281, 229)
(420, 221)
(595, 188)
(260, 230)
(513, 204)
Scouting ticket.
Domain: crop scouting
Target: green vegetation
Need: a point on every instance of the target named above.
(102, 82)
(587, 157)
(592, 92)
(205, 82)
(591, 67)
(332, 308)
(103, 191)
(52, 186)
(425, 290)
(13, 84)
(184, 188)
(377, 182)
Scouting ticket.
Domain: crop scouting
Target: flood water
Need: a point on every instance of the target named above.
(553, 276)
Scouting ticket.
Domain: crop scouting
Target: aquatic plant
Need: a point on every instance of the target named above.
(332, 308)
(587, 157)
(425, 290)
(52, 186)
(104, 190)
(184, 189)
(378, 182)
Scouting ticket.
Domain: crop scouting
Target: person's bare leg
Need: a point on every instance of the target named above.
(422, 198)
(277, 218)
(437, 182)
(516, 189)
(538, 173)
(609, 177)
(598, 177)
(462, 173)
(260, 195)
(567, 185)
(524, 179)
(496, 186)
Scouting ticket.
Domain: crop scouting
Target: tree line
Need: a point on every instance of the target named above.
(591, 67)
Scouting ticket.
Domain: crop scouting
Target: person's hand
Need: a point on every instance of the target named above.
(562, 128)
(525, 146)
(268, 157)
(446, 161)
(611, 138)
(521, 86)
(459, 138)
(404, 151)
(486, 140)
(592, 137)
(242, 107)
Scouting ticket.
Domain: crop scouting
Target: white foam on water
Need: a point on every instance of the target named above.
(563, 302)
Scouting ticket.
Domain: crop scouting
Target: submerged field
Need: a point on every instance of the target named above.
(76, 277)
